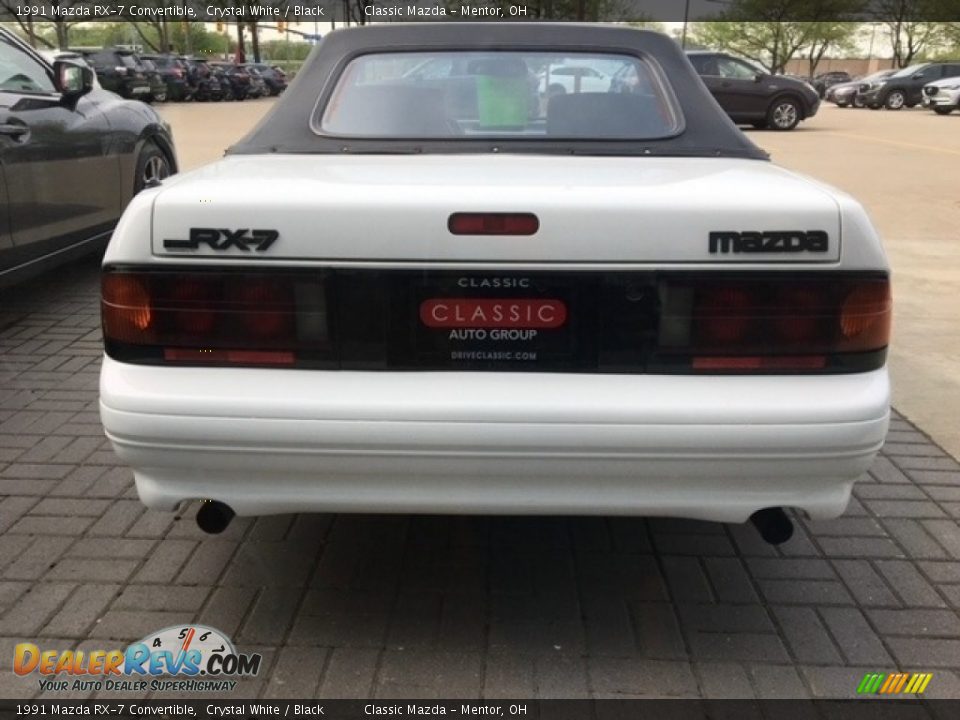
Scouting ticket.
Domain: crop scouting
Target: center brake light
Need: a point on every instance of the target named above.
(464, 223)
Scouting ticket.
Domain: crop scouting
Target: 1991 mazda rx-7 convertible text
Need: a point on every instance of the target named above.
(432, 282)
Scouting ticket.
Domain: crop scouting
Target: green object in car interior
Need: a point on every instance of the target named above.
(502, 101)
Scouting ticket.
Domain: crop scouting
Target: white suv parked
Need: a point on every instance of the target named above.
(942, 96)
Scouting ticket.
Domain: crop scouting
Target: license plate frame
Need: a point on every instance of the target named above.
(546, 335)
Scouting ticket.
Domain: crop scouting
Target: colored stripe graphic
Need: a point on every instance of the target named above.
(894, 683)
(870, 683)
(901, 681)
(889, 683)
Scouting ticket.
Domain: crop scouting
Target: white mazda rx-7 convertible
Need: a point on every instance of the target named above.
(433, 281)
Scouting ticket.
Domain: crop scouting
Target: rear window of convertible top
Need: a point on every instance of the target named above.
(500, 94)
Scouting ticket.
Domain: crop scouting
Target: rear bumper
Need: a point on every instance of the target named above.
(276, 441)
(135, 88)
(177, 87)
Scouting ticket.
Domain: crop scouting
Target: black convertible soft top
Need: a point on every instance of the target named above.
(707, 131)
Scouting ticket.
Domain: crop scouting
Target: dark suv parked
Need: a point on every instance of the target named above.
(158, 88)
(174, 74)
(234, 79)
(752, 96)
(203, 81)
(119, 71)
(905, 87)
(274, 77)
(825, 81)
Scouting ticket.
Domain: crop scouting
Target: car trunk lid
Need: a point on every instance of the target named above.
(395, 209)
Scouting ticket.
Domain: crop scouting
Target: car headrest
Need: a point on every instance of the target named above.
(604, 115)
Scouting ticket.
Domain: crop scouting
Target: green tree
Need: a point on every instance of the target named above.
(27, 25)
(770, 44)
(195, 38)
(48, 34)
(285, 50)
(826, 37)
(772, 32)
(155, 34)
(910, 26)
(100, 34)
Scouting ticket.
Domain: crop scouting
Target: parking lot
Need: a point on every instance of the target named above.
(512, 607)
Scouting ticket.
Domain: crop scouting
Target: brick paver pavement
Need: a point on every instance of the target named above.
(455, 606)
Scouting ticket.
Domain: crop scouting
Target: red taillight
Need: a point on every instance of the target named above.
(127, 313)
(708, 322)
(773, 323)
(191, 300)
(493, 224)
(865, 316)
(205, 317)
(265, 308)
(753, 362)
(798, 314)
(216, 357)
(724, 314)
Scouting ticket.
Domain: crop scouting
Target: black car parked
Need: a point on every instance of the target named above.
(235, 78)
(71, 157)
(751, 96)
(824, 81)
(274, 77)
(258, 87)
(203, 81)
(905, 88)
(174, 74)
(118, 70)
(158, 88)
(847, 94)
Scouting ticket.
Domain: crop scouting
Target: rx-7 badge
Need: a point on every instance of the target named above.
(223, 239)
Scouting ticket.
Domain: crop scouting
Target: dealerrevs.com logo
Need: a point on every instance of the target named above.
(895, 683)
(182, 658)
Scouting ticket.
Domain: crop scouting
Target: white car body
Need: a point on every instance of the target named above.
(278, 440)
(943, 94)
(654, 384)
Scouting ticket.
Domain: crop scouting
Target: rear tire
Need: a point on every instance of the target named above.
(784, 114)
(943, 110)
(152, 166)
